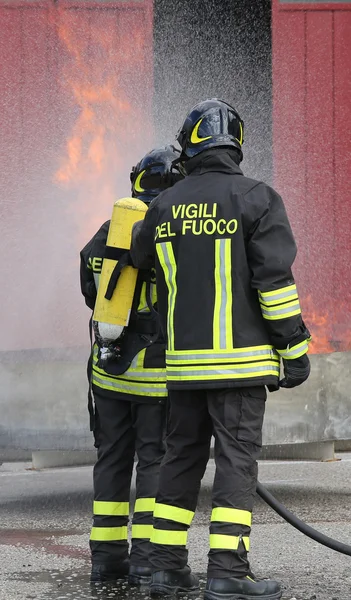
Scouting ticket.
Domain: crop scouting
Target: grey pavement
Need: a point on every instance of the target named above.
(46, 517)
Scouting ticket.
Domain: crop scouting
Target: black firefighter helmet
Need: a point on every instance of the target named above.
(211, 124)
(154, 173)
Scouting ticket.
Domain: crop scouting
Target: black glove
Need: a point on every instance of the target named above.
(296, 371)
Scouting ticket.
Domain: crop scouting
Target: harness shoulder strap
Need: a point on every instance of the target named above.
(90, 377)
(123, 262)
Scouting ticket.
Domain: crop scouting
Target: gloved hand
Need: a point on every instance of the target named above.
(296, 371)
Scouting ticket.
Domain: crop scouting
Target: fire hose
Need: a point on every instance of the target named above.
(293, 520)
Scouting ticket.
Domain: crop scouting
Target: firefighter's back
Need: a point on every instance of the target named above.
(214, 319)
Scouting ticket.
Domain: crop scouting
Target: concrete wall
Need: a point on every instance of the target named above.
(43, 402)
(318, 410)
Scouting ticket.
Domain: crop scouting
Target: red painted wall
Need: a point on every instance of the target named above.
(312, 155)
(61, 62)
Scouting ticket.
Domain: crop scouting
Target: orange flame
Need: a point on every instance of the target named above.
(328, 330)
(100, 149)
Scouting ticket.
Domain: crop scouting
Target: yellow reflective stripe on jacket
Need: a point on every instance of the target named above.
(135, 371)
(283, 311)
(143, 306)
(222, 316)
(231, 515)
(112, 509)
(173, 513)
(167, 261)
(130, 387)
(142, 531)
(279, 296)
(97, 279)
(228, 542)
(138, 361)
(246, 370)
(109, 534)
(149, 375)
(193, 357)
(168, 537)
(137, 380)
(294, 351)
(144, 505)
(215, 375)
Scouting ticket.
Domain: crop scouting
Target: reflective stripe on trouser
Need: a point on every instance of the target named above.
(143, 520)
(123, 428)
(171, 524)
(235, 416)
(225, 523)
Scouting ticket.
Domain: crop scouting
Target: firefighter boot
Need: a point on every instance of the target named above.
(101, 572)
(174, 582)
(139, 575)
(243, 588)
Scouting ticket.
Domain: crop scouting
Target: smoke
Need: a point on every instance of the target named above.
(76, 94)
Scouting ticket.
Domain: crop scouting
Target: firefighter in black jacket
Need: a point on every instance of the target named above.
(130, 405)
(230, 312)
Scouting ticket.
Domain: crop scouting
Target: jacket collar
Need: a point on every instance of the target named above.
(221, 160)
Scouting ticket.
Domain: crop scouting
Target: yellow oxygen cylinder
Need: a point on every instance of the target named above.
(113, 314)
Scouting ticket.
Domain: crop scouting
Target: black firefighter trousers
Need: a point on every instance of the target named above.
(235, 417)
(122, 428)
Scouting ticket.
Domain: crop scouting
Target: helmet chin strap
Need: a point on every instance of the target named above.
(178, 164)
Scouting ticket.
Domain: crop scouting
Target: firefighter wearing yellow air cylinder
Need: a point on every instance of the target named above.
(230, 312)
(128, 380)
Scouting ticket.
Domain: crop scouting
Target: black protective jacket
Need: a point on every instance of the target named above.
(140, 373)
(226, 295)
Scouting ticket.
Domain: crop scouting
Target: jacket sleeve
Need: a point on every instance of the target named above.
(87, 283)
(142, 249)
(91, 258)
(271, 253)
